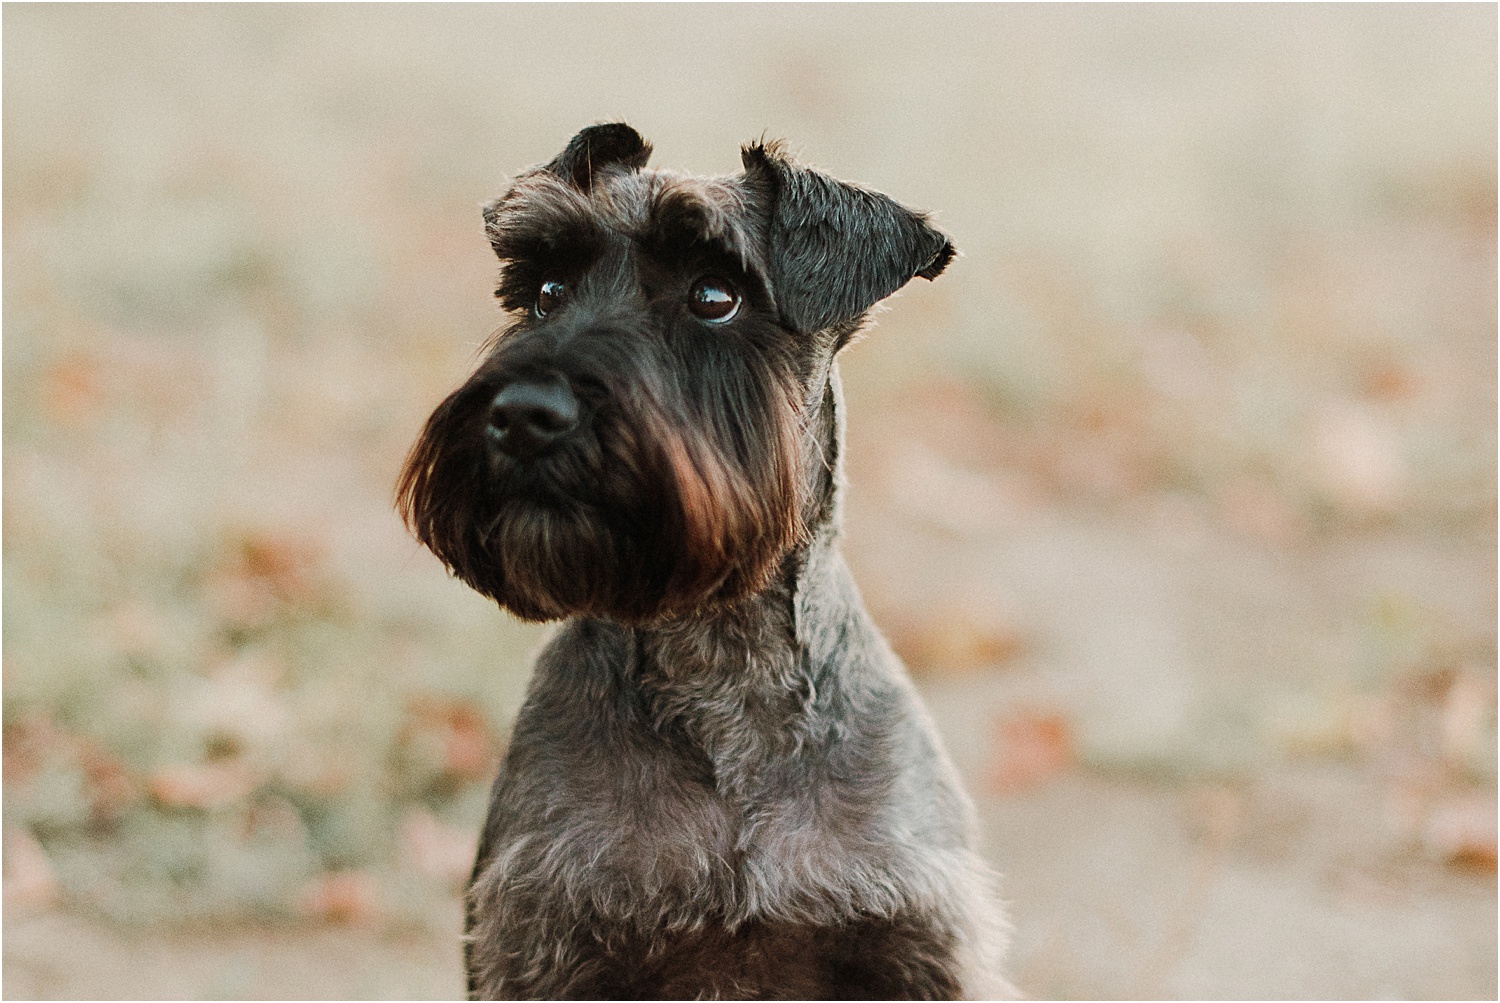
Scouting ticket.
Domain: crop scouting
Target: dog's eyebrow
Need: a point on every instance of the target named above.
(714, 215)
(541, 214)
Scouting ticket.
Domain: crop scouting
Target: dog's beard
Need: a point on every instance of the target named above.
(543, 560)
(649, 519)
(552, 561)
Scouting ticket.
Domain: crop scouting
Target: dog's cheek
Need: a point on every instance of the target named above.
(442, 495)
(738, 492)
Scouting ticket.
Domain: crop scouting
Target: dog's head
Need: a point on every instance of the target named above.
(636, 445)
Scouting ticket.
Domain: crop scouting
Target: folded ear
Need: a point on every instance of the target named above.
(597, 147)
(836, 249)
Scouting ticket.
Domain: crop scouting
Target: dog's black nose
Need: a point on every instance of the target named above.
(528, 417)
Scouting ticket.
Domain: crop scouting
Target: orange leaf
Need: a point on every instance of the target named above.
(1033, 746)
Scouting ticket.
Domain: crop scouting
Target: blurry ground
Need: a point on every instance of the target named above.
(1177, 491)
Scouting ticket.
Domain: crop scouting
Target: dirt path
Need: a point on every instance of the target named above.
(65, 956)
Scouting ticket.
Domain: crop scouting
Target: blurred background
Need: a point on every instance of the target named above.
(1177, 492)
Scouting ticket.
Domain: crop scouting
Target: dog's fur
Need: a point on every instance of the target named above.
(722, 783)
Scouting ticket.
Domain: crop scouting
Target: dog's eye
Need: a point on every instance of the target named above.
(713, 299)
(549, 296)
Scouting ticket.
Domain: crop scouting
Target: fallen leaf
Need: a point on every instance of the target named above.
(263, 569)
(1389, 381)
(350, 897)
(73, 389)
(204, 786)
(111, 785)
(1462, 832)
(287, 562)
(30, 881)
(953, 639)
(1357, 459)
(31, 742)
(37, 740)
(468, 748)
(1468, 716)
(1032, 746)
(436, 849)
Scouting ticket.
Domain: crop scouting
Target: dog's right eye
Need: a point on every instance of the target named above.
(714, 300)
(549, 296)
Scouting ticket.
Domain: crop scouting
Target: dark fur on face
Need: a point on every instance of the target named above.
(696, 465)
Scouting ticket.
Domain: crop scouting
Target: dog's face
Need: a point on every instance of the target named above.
(637, 444)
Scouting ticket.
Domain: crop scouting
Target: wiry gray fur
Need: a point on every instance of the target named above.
(747, 799)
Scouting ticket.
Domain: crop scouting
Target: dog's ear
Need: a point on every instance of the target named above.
(597, 147)
(836, 249)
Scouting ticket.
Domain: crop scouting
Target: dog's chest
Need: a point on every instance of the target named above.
(722, 814)
(784, 881)
(660, 830)
(704, 795)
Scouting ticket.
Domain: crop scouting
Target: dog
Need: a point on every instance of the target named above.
(722, 783)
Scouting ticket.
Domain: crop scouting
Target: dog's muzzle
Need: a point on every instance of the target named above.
(528, 417)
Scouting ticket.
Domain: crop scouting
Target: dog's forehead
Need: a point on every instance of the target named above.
(647, 206)
(637, 200)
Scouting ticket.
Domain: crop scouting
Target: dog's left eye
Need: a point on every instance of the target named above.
(713, 299)
(549, 296)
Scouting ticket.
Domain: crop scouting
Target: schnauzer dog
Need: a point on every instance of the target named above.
(722, 783)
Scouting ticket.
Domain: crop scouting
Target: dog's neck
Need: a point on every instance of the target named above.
(824, 471)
